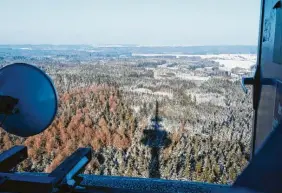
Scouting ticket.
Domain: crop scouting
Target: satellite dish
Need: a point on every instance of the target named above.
(28, 99)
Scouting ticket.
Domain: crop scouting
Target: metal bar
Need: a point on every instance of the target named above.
(10, 158)
(94, 182)
(101, 184)
(68, 166)
(26, 183)
(246, 81)
(108, 190)
(77, 167)
(259, 55)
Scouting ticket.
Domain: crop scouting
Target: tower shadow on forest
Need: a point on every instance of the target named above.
(156, 138)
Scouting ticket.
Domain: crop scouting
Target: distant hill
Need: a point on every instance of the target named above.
(199, 50)
(192, 49)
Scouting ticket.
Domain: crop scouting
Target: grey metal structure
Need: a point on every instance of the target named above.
(266, 81)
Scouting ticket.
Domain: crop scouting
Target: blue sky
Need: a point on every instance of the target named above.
(145, 22)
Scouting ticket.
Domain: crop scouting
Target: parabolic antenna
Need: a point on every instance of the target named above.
(28, 99)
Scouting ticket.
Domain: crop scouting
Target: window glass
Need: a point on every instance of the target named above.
(153, 87)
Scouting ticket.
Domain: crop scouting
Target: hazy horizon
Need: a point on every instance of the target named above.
(158, 23)
(125, 45)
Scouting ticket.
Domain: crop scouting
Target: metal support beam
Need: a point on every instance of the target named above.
(72, 165)
(26, 183)
(10, 158)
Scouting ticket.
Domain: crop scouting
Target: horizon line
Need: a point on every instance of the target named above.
(125, 45)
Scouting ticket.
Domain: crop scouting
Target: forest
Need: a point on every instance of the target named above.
(106, 109)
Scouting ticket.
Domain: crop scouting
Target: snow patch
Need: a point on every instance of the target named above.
(191, 77)
(148, 91)
(229, 64)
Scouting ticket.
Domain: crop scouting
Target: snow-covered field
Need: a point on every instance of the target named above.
(228, 61)
(191, 77)
(242, 57)
(184, 76)
(148, 91)
(207, 56)
(209, 98)
(229, 64)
